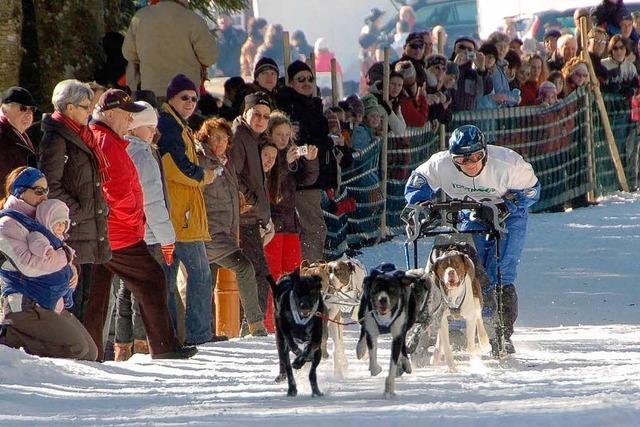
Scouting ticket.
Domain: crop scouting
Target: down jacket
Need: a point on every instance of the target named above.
(245, 155)
(159, 228)
(73, 176)
(314, 130)
(184, 177)
(122, 190)
(223, 208)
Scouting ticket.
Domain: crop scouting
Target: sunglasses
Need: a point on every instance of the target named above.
(469, 158)
(416, 45)
(310, 79)
(40, 191)
(25, 108)
(186, 98)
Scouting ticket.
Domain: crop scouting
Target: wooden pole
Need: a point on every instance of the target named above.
(334, 82)
(287, 55)
(602, 109)
(385, 141)
(440, 42)
(591, 162)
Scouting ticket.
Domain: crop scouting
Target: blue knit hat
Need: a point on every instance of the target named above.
(25, 181)
(180, 83)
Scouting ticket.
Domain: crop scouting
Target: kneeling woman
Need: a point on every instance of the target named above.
(31, 284)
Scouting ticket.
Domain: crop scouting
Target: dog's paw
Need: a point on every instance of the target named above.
(325, 353)
(298, 362)
(292, 392)
(452, 370)
(361, 348)
(317, 393)
(406, 365)
(281, 377)
(387, 395)
(375, 370)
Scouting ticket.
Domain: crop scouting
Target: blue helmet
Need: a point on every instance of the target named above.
(465, 140)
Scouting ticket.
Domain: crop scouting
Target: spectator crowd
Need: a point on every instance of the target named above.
(125, 184)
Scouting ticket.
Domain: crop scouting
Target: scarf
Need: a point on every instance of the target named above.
(87, 137)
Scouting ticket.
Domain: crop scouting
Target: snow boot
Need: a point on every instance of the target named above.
(257, 329)
(122, 351)
(140, 346)
(509, 315)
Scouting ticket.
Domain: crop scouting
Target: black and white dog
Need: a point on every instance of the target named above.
(388, 306)
(298, 328)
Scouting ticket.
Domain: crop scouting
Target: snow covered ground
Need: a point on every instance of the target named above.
(578, 359)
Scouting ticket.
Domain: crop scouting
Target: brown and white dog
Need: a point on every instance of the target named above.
(341, 289)
(455, 274)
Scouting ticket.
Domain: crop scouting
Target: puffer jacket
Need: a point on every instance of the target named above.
(159, 228)
(245, 156)
(73, 176)
(223, 207)
(14, 244)
(17, 150)
(314, 130)
(300, 172)
(122, 189)
(184, 177)
(168, 39)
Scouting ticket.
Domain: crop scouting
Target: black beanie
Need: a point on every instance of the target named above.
(295, 67)
(257, 98)
(265, 64)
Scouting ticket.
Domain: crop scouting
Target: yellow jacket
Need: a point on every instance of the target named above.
(184, 177)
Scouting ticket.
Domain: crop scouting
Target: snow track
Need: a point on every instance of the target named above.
(577, 360)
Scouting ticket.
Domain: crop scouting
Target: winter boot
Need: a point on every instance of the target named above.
(140, 346)
(509, 315)
(122, 351)
(257, 329)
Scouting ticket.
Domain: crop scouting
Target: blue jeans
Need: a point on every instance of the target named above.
(511, 247)
(198, 317)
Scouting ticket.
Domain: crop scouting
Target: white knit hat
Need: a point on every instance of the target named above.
(146, 117)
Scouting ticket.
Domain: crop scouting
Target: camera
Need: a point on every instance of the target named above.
(471, 55)
(303, 150)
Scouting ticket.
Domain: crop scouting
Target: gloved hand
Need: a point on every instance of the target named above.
(167, 253)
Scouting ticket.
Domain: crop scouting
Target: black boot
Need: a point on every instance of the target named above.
(509, 315)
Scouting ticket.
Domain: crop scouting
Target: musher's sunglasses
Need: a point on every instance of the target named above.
(470, 158)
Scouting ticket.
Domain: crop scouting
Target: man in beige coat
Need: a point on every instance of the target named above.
(165, 40)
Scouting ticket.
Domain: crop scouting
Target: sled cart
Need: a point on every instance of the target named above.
(442, 223)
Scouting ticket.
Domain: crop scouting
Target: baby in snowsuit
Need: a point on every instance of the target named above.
(54, 215)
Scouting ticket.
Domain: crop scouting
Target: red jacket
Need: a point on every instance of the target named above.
(122, 191)
(415, 111)
(528, 93)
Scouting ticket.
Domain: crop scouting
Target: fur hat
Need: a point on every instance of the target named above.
(178, 84)
(146, 117)
(408, 72)
(296, 67)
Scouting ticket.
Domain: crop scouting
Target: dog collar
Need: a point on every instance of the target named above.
(301, 321)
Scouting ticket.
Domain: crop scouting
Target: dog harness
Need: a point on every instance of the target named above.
(384, 325)
(301, 321)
